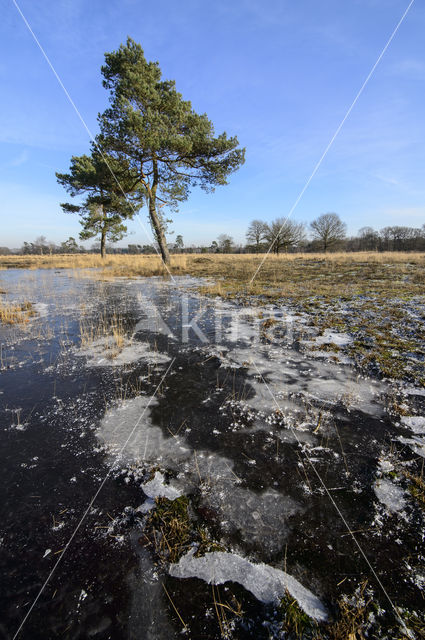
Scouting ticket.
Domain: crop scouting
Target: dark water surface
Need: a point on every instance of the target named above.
(254, 489)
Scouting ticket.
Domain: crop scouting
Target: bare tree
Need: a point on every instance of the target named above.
(284, 234)
(256, 233)
(225, 243)
(399, 238)
(369, 239)
(328, 229)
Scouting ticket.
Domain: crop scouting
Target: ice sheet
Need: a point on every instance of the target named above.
(266, 583)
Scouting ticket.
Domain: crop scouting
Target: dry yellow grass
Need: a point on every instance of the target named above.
(15, 313)
(297, 276)
(188, 263)
(103, 327)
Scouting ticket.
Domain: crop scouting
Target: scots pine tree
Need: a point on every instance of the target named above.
(104, 181)
(167, 147)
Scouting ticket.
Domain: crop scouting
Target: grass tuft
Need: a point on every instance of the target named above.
(295, 622)
(16, 313)
(168, 528)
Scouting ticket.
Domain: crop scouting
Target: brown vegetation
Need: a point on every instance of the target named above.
(15, 313)
(282, 275)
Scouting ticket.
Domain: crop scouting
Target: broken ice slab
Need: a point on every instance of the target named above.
(266, 583)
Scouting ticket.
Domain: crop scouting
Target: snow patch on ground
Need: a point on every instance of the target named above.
(330, 337)
(266, 583)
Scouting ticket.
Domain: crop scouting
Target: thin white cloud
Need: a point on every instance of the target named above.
(19, 160)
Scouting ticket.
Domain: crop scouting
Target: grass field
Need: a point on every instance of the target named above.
(376, 297)
(284, 275)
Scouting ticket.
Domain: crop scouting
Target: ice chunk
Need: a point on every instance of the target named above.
(104, 352)
(259, 518)
(416, 444)
(391, 495)
(156, 488)
(266, 583)
(415, 423)
(129, 427)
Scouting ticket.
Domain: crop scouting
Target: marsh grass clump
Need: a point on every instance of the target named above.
(111, 329)
(295, 622)
(16, 313)
(415, 622)
(168, 528)
(417, 486)
(171, 529)
(118, 331)
(353, 617)
(266, 325)
(206, 544)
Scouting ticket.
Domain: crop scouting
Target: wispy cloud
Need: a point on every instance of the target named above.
(18, 160)
(387, 179)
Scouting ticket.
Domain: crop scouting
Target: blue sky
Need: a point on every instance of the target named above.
(280, 75)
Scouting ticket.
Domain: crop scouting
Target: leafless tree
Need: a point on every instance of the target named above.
(256, 233)
(284, 234)
(369, 239)
(329, 230)
(225, 243)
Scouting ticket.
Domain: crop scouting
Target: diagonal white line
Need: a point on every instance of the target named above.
(338, 510)
(332, 140)
(91, 136)
(168, 270)
(316, 168)
(86, 512)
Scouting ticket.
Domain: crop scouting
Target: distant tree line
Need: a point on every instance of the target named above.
(325, 233)
(328, 233)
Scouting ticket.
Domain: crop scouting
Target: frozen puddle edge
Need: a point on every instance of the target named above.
(264, 582)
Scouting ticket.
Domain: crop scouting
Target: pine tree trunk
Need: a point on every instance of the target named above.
(154, 217)
(157, 227)
(103, 243)
(102, 233)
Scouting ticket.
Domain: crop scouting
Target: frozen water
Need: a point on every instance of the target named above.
(104, 352)
(415, 423)
(259, 517)
(289, 371)
(389, 494)
(416, 444)
(130, 425)
(156, 488)
(266, 583)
